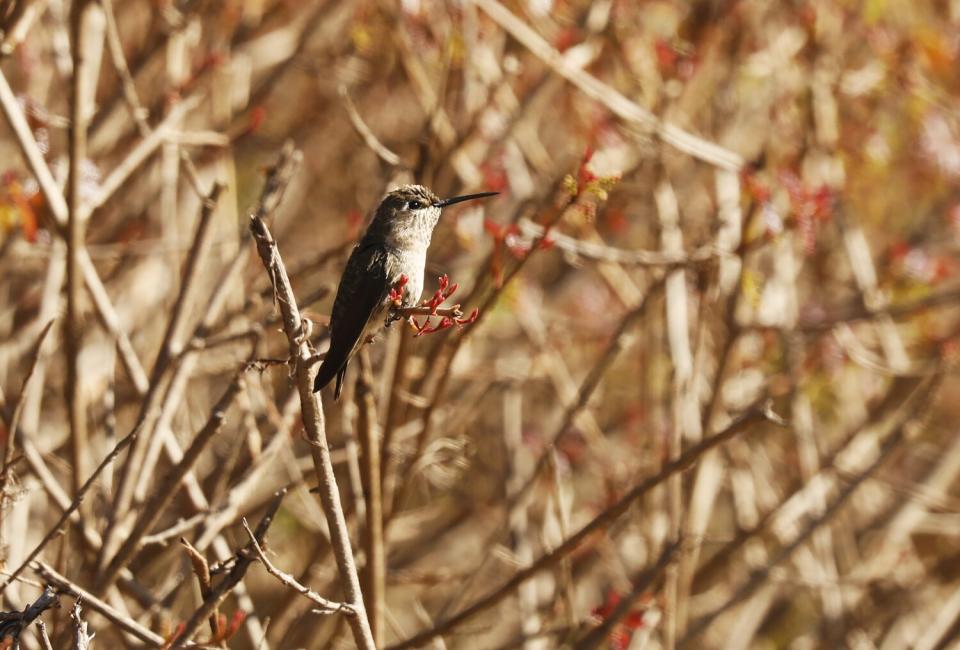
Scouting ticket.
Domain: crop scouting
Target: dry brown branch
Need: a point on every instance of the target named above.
(684, 407)
(710, 473)
(641, 585)
(81, 100)
(620, 105)
(365, 132)
(311, 409)
(44, 637)
(166, 489)
(14, 421)
(178, 529)
(324, 606)
(58, 208)
(602, 253)
(201, 569)
(63, 585)
(238, 570)
(12, 624)
(374, 573)
(82, 637)
(601, 521)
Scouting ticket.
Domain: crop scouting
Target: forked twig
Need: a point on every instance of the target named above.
(325, 606)
(221, 590)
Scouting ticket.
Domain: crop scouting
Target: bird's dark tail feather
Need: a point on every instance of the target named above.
(326, 374)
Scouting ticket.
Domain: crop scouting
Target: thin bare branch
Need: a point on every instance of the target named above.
(374, 574)
(324, 605)
(368, 136)
(14, 422)
(12, 624)
(239, 569)
(125, 623)
(82, 637)
(620, 105)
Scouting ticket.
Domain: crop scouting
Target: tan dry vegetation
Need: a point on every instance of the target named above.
(707, 399)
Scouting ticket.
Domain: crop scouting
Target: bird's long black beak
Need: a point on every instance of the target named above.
(442, 203)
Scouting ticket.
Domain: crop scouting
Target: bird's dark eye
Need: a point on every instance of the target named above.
(414, 205)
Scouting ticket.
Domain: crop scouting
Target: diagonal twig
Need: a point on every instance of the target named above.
(620, 105)
(12, 624)
(125, 623)
(219, 592)
(15, 415)
(166, 490)
(325, 605)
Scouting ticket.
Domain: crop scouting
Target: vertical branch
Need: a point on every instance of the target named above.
(72, 331)
(709, 474)
(519, 463)
(310, 406)
(393, 406)
(81, 637)
(685, 412)
(176, 74)
(15, 419)
(348, 427)
(374, 575)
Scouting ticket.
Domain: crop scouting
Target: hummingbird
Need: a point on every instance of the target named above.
(394, 245)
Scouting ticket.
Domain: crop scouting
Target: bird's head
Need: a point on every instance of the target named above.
(413, 211)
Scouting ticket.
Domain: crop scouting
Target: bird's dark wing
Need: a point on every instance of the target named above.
(363, 288)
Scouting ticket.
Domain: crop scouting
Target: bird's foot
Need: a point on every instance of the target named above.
(395, 313)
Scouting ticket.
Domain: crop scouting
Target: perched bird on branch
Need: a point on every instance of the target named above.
(393, 247)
